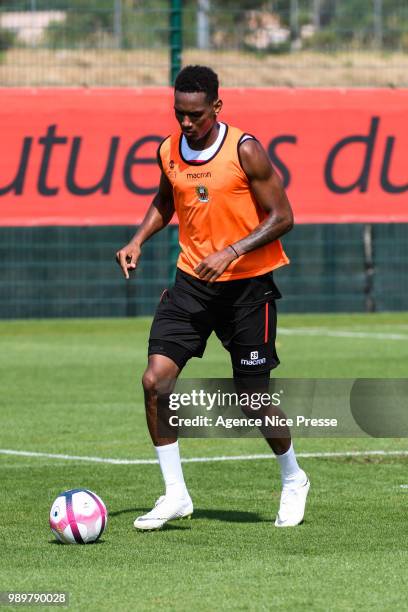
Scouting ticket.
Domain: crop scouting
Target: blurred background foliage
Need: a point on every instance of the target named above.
(262, 26)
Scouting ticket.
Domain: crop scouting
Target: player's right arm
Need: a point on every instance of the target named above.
(157, 217)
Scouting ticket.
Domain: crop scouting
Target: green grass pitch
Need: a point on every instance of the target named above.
(73, 387)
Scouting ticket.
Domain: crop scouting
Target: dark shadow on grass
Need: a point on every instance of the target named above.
(227, 516)
(230, 516)
(63, 544)
(138, 511)
(181, 526)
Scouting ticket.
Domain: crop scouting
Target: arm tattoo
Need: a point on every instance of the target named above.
(267, 231)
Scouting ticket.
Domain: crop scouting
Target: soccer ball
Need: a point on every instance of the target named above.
(78, 516)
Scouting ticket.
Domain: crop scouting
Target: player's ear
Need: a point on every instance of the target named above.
(217, 106)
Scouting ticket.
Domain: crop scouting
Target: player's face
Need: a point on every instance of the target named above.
(195, 114)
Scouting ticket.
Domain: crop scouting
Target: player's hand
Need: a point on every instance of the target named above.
(214, 265)
(128, 257)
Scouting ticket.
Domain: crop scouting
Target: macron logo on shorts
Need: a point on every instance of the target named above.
(253, 359)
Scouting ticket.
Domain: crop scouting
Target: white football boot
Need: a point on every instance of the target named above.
(165, 509)
(292, 504)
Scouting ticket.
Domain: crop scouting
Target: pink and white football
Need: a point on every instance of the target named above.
(78, 516)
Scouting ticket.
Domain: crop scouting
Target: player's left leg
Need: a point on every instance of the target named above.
(295, 483)
(249, 335)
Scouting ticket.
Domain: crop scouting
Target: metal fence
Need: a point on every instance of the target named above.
(275, 42)
(71, 271)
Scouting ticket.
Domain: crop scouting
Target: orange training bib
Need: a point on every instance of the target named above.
(215, 208)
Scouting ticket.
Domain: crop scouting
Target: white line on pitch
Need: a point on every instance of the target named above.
(320, 331)
(375, 453)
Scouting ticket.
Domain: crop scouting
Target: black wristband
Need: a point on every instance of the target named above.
(231, 247)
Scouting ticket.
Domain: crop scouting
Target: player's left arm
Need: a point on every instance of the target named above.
(267, 189)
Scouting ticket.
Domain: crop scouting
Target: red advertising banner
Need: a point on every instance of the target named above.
(88, 156)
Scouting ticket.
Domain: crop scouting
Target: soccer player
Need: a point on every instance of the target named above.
(232, 210)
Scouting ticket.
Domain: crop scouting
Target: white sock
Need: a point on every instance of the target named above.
(170, 465)
(291, 473)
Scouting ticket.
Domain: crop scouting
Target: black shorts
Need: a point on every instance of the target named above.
(242, 313)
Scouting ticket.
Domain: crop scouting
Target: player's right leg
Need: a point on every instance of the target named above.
(179, 331)
(158, 381)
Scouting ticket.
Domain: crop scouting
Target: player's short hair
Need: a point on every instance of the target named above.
(198, 78)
